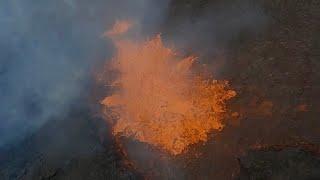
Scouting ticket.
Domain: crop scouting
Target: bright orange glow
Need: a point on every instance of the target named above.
(160, 99)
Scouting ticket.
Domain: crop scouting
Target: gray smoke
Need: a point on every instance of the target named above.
(47, 52)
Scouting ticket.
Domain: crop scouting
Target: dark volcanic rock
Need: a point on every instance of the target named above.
(281, 162)
(76, 147)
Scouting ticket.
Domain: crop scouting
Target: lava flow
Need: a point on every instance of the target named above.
(160, 98)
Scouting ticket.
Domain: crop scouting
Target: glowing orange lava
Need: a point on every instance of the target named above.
(160, 99)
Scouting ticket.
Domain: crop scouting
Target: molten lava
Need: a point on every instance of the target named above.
(159, 98)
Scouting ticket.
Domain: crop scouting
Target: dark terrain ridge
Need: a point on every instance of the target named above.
(274, 135)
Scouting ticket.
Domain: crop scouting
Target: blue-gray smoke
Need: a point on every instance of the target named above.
(47, 51)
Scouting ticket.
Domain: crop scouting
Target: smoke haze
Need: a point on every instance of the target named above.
(47, 52)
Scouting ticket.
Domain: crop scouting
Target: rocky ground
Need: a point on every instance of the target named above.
(281, 162)
(78, 147)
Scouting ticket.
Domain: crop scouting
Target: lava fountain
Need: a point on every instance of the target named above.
(159, 97)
